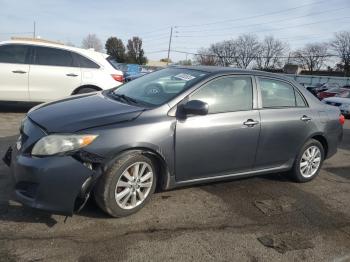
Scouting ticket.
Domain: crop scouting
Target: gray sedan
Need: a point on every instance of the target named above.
(174, 127)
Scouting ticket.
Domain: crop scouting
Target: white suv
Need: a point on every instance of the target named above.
(35, 71)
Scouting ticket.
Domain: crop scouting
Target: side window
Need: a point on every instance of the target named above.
(14, 54)
(227, 94)
(300, 102)
(84, 62)
(53, 57)
(275, 93)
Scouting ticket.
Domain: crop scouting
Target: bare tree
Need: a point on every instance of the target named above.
(225, 52)
(206, 57)
(312, 57)
(247, 48)
(270, 52)
(341, 44)
(92, 41)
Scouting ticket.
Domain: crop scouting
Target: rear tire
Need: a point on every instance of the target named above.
(85, 90)
(127, 186)
(308, 163)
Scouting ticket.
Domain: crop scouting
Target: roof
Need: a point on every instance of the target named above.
(221, 69)
(39, 42)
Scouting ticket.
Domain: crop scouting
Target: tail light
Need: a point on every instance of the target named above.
(118, 78)
(341, 119)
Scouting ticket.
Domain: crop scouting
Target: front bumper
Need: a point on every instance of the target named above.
(53, 184)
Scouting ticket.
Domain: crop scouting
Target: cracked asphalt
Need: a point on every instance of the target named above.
(267, 218)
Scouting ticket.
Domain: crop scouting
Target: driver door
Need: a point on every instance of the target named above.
(221, 142)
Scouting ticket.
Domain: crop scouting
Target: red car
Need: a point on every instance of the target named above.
(330, 92)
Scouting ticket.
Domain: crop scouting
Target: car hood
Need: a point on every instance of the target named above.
(336, 99)
(81, 112)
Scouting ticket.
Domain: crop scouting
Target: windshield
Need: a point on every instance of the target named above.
(159, 87)
(334, 90)
(345, 94)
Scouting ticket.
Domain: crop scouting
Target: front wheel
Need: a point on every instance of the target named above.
(308, 162)
(127, 186)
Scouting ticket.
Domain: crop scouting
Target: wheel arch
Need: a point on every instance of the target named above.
(75, 91)
(323, 140)
(163, 178)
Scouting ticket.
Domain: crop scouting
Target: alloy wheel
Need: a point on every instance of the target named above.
(310, 161)
(134, 185)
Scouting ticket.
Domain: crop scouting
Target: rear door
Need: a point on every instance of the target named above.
(14, 72)
(286, 122)
(221, 142)
(53, 75)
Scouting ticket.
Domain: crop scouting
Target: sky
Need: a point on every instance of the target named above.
(196, 24)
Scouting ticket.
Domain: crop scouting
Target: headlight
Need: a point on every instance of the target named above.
(54, 144)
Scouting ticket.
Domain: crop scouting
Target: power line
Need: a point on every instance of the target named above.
(254, 16)
(16, 33)
(265, 23)
(253, 57)
(267, 30)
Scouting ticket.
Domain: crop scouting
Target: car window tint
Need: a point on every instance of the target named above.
(299, 100)
(53, 57)
(84, 62)
(275, 93)
(227, 94)
(14, 54)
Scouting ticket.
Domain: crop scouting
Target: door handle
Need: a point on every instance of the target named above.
(71, 74)
(305, 118)
(19, 72)
(250, 123)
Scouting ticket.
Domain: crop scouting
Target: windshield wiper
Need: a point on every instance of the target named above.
(125, 98)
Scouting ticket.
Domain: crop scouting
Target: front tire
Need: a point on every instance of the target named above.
(127, 186)
(308, 162)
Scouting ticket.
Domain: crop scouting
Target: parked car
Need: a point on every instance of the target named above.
(130, 71)
(174, 127)
(38, 71)
(341, 100)
(329, 93)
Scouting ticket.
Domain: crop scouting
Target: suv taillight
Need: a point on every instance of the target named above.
(118, 78)
(341, 119)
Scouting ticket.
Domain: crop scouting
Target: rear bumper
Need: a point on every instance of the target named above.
(52, 183)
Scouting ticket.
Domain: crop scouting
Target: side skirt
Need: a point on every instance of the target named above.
(175, 184)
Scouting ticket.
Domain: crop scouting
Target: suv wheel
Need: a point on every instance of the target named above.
(127, 186)
(309, 161)
(85, 90)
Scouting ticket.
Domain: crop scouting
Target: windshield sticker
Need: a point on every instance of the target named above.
(185, 77)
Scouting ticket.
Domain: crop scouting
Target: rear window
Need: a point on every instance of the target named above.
(13, 54)
(53, 57)
(84, 62)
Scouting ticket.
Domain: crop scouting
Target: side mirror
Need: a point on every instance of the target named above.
(195, 107)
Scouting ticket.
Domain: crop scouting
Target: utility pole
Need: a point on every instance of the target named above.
(34, 33)
(171, 36)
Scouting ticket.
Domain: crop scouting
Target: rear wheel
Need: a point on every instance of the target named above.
(127, 186)
(85, 90)
(308, 162)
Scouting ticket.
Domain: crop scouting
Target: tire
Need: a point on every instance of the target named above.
(115, 182)
(306, 167)
(85, 90)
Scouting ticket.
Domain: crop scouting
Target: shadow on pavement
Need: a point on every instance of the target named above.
(16, 107)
